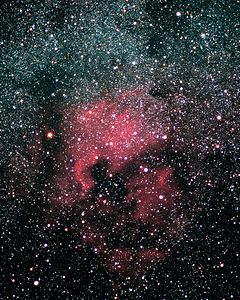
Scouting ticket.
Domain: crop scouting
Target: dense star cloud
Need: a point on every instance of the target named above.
(119, 140)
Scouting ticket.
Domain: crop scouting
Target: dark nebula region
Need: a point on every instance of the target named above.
(119, 149)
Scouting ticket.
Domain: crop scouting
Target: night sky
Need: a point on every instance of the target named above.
(119, 149)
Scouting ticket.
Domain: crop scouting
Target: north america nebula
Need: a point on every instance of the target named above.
(119, 139)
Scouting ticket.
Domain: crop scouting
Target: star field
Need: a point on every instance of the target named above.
(119, 140)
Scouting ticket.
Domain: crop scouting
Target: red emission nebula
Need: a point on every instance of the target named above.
(113, 174)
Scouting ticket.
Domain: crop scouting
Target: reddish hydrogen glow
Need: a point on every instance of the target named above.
(123, 192)
(154, 195)
(117, 131)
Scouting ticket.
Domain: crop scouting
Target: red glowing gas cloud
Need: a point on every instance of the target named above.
(131, 195)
